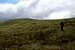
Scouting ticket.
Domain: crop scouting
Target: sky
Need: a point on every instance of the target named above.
(37, 9)
(8, 1)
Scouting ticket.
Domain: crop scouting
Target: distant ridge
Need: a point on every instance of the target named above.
(6, 19)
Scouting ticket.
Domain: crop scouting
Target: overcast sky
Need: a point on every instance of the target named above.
(37, 9)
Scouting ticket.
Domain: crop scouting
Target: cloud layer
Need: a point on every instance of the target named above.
(38, 9)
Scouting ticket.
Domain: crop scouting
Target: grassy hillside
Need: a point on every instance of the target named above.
(29, 34)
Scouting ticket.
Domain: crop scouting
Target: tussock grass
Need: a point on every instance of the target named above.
(21, 34)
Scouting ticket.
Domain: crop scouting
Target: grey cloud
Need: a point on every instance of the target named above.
(41, 9)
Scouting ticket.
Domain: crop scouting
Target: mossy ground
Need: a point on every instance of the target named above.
(21, 34)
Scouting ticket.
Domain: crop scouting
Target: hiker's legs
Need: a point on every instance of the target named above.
(62, 28)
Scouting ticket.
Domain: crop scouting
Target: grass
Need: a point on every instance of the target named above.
(29, 34)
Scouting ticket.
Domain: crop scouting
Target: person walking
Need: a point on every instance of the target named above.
(62, 25)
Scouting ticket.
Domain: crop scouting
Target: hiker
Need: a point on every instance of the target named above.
(62, 25)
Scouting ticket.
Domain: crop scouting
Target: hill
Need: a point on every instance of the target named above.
(30, 34)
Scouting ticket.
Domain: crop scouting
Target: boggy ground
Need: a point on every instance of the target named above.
(29, 34)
